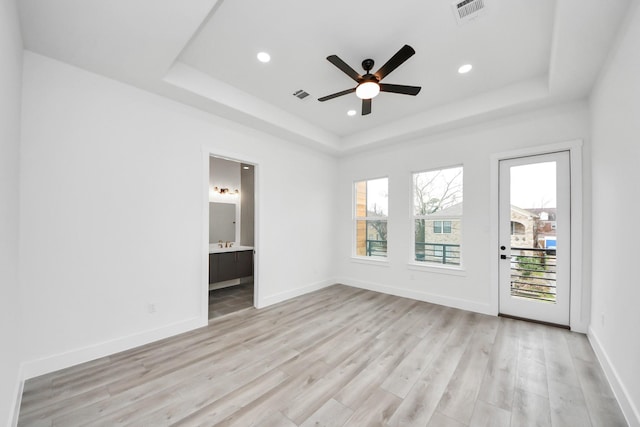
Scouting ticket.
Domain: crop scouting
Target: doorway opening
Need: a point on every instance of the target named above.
(231, 279)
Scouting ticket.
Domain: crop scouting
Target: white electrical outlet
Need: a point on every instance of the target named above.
(151, 307)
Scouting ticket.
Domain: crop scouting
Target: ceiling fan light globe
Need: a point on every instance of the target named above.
(367, 90)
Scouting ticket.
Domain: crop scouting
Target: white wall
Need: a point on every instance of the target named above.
(10, 88)
(113, 192)
(223, 174)
(616, 203)
(472, 147)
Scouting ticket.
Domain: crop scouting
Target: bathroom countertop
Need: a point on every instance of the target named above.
(214, 249)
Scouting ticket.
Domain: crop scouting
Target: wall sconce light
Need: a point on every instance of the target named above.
(226, 191)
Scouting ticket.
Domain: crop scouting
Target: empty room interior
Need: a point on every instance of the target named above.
(236, 213)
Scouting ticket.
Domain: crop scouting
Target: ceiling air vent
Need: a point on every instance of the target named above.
(468, 9)
(300, 94)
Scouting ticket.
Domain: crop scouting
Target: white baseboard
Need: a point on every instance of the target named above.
(283, 296)
(34, 368)
(421, 296)
(628, 407)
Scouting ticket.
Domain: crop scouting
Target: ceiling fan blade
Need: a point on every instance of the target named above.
(344, 67)
(337, 94)
(366, 106)
(396, 60)
(402, 89)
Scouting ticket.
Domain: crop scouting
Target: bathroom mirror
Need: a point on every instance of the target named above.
(222, 222)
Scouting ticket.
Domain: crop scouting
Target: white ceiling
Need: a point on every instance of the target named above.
(525, 53)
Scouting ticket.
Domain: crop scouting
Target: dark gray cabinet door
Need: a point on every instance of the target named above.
(230, 265)
(245, 263)
(213, 268)
(227, 266)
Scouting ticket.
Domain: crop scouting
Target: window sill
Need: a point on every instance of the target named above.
(384, 262)
(451, 270)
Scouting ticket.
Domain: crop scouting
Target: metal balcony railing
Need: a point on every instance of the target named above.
(441, 253)
(376, 247)
(533, 273)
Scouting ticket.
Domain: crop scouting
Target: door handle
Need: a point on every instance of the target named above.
(503, 257)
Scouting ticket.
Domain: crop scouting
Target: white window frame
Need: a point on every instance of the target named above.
(456, 269)
(354, 251)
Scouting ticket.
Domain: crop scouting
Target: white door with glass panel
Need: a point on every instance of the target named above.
(535, 234)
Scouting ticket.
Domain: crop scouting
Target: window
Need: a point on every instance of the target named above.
(440, 227)
(371, 211)
(517, 228)
(437, 216)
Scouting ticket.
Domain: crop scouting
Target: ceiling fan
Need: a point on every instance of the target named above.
(369, 85)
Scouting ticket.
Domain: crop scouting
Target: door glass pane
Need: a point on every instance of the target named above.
(533, 231)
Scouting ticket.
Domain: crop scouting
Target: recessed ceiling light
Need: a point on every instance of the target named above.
(465, 68)
(351, 113)
(245, 168)
(264, 57)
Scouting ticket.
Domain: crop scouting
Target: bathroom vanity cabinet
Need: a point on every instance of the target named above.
(230, 263)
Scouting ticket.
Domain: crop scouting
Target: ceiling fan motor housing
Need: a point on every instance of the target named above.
(367, 64)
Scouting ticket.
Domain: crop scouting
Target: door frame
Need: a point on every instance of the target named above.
(580, 302)
(208, 152)
(559, 312)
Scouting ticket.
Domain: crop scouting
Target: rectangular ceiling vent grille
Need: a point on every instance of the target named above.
(468, 9)
(301, 94)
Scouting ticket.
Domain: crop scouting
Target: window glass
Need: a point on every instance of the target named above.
(437, 212)
(371, 211)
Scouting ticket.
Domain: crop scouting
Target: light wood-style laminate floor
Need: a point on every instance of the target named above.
(338, 357)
